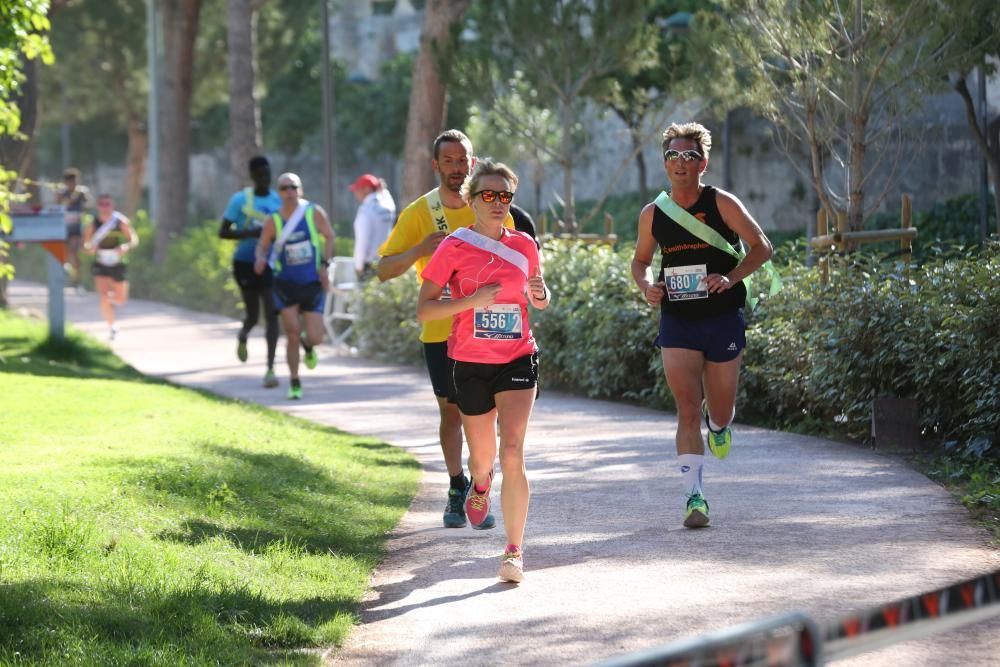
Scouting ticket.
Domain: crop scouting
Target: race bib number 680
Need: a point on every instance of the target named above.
(685, 282)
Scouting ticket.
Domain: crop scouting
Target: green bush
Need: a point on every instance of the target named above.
(596, 336)
(821, 353)
(387, 326)
(196, 274)
(817, 354)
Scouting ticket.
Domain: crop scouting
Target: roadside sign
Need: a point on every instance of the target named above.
(45, 225)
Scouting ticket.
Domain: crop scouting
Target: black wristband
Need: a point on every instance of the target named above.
(324, 262)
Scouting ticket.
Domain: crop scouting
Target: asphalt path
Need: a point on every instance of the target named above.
(798, 522)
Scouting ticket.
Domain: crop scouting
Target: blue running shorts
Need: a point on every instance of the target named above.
(720, 338)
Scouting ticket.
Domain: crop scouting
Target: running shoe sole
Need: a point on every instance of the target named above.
(511, 572)
(696, 520)
(719, 450)
(477, 505)
(311, 359)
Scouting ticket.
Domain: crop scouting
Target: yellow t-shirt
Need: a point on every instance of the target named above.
(412, 227)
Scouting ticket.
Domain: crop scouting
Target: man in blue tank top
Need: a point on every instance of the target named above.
(297, 242)
(699, 289)
(243, 221)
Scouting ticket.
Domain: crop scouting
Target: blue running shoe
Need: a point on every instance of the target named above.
(454, 511)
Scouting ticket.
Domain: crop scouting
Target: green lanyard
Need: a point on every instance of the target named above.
(714, 239)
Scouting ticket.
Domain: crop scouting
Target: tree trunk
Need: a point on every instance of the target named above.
(135, 164)
(244, 108)
(993, 155)
(988, 140)
(180, 28)
(858, 131)
(569, 203)
(640, 163)
(427, 98)
(855, 172)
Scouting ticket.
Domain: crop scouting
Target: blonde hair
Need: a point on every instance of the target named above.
(486, 166)
(694, 131)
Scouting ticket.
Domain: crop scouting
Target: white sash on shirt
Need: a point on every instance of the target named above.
(290, 225)
(104, 229)
(473, 237)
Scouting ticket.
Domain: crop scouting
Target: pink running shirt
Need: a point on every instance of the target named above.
(496, 336)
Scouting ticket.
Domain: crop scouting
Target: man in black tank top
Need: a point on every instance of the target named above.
(700, 292)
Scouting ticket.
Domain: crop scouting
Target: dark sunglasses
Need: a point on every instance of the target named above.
(288, 186)
(687, 156)
(489, 196)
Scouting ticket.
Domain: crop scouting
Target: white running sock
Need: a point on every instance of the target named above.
(715, 428)
(690, 465)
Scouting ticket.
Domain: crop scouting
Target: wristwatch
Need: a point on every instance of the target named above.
(324, 262)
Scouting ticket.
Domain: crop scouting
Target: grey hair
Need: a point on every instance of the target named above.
(290, 176)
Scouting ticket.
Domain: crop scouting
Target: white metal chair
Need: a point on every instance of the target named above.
(338, 312)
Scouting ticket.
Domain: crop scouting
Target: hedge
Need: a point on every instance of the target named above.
(196, 274)
(817, 354)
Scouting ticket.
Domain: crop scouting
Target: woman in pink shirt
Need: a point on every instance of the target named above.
(485, 276)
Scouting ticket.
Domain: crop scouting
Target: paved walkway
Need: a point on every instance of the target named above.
(798, 522)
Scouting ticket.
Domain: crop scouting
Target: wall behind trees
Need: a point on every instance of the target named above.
(941, 160)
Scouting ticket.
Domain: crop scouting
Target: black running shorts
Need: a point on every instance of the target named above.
(116, 272)
(308, 297)
(476, 385)
(439, 369)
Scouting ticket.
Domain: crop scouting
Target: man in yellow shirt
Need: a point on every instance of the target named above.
(420, 228)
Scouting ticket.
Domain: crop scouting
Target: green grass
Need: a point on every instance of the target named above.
(974, 481)
(142, 523)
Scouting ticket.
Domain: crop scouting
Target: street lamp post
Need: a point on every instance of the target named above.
(152, 118)
(328, 138)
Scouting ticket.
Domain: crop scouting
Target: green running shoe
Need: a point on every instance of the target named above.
(241, 350)
(311, 358)
(718, 441)
(270, 379)
(295, 393)
(697, 512)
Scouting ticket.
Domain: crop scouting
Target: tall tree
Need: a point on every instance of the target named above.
(978, 43)
(634, 98)
(837, 76)
(106, 40)
(518, 131)
(565, 51)
(244, 107)
(17, 149)
(23, 29)
(180, 29)
(427, 96)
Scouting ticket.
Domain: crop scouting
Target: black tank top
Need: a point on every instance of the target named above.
(681, 248)
(114, 238)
